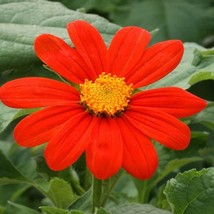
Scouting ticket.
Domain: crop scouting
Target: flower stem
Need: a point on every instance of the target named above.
(143, 192)
(97, 193)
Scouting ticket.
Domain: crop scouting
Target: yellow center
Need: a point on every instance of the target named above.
(107, 96)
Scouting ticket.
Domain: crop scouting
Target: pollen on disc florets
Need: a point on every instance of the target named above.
(107, 96)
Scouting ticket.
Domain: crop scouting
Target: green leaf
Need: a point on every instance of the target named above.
(137, 209)
(23, 161)
(160, 199)
(60, 192)
(185, 20)
(124, 188)
(206, 116)
(20, 209)
(9, 173)
(176, 164)
(201, 76)
(76, 212)
(83, 202)
(24, 112)
(191, 69)
(19, 71)
(101, 211)
(11, 192)
(171, 160)
(20, 23)
(191, 192)
(68, 174)
(204, 60)
(99, 5)
(53, 210)
(6, 116)
(43, 169)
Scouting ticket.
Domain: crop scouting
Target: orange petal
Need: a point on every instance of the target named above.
(90, 45)
(69, 143)
(62, 58)
(139, 155)
(160, 126)
(41, 126)
(104, 152)
(127, 49)
(33, 92)
(172, 100)
(157, 62)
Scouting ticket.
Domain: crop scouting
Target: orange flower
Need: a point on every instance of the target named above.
(106, 117)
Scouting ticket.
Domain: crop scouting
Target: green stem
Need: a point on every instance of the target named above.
(143, 192)
(97, 193)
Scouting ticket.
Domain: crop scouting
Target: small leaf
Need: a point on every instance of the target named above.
(202, 58)
(83, 202)
(206, 116)
(24, 112)
(53, 210)
(60, 192)
(76, 212)
(101, 211)
(191, 192)
(6, 116)
(9, 173)
(67, 174)
(203, 75)
(137, 209)
(20, 209)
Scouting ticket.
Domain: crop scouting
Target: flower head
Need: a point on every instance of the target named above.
(106, 118)
(107, 96)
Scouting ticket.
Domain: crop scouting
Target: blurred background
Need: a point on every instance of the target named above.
(188, 20)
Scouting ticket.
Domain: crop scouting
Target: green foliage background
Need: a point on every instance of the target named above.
(183, 182)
